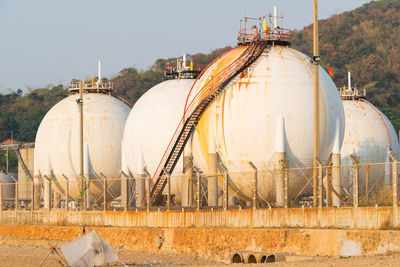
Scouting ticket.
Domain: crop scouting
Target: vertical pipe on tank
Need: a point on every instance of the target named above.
(86, 172)
(184, 59)
(212, 181)
(140, 180)
(275, 17)
(99, 70)
(280, 158)
(336, 168)
(349, 80)
(187, 192)
(81, 171)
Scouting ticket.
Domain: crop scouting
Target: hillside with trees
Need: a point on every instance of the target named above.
(20, 115)
(365, 41)
(131, 83)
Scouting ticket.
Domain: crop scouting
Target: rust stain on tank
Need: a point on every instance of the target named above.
(223, 120)
(242, 83)
(246, 83)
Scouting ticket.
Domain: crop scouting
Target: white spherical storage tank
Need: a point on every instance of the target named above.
(150, 127)
(264, 111)
(57, 145)
(369, 136)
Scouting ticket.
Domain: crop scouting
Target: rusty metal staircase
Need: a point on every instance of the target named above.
(195, 109)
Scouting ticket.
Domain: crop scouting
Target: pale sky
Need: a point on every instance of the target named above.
(53, 41)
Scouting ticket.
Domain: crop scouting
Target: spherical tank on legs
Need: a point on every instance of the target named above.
(265, 112)
(369, 136)
(150, 127)
(57, 148)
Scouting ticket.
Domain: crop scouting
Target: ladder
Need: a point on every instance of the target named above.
(195, 109)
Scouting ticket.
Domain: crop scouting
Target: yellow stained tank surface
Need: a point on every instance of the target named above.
(245, 119)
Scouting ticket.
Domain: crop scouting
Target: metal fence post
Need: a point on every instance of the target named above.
(394, 179)
(48, 182)
(329, 186)
(56, 199)
(104, 193)
(33, 195)
(66, 192)
(212, 178)
(198, 190)
(255, 185)
(336, 176)
(83, 195)
(355, 180)
(187, 191)
(286, 184)
(87, 193)
(280, 181)
(16, 193)
(168, 189)
(148, 177)
(319, 184)
(124, 190)
(37, 192)
(148, 193)
(50, 194)
(367, 179)
(225, 201)
(395, 197)
(1, 196)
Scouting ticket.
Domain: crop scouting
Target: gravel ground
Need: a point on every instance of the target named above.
(20, 252)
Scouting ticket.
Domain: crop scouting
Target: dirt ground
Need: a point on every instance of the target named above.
(23, 252)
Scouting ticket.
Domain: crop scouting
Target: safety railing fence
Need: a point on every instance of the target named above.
(353, 183)
(246, 35)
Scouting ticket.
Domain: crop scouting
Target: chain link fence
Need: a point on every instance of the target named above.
(355, 182)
